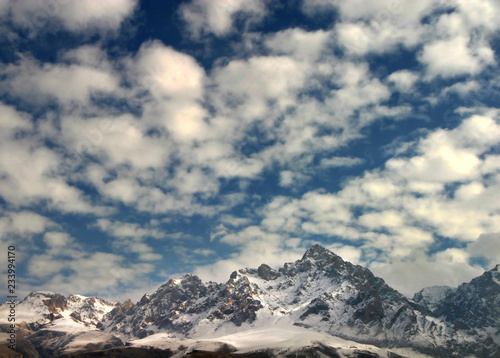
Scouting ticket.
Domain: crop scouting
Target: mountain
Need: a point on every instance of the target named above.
(473, 306)
(53, 323)
(336, 304)
(43, 308)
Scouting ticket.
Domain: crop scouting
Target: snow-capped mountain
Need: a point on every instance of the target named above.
(50, 308)
(55, 323)
(320, 293)
(473, 306)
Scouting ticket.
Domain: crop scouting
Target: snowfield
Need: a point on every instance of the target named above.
(281, 338)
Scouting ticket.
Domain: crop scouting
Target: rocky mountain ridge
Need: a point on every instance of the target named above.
(320, 292)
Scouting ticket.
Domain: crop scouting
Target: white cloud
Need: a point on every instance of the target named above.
(121, 229)
(73, 15)
(257, 247)
(132, 237)
(449, 58)
(233, 220)
(340, 162)
(259, 80)
(167, 72)
(360, 39)
(410, 276)
(290, 178)
(385, 219)
(217, 17)
(64, 83)
(462, 88)
(82, 15)
(380, 26)
(448, 156)
(487, 246)
(98, 273)
(404, 80)
(191, 256)
(23, 223)
(115, 140)
(12, 121)
(298, 43)
(348, 253)
(480, 14)
(28, 178)
(67, 266)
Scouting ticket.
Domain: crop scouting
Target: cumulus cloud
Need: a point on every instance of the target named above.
(340, 162)
(28, 168)
(217, 17)
(64, 83)
(448, 58)
(75, 16)
(403, 80)
(98, 273)
(380, 26)
(486, 246)
(448, 48)
(411, 276)
(256, 246)
(132, 237)
(298, 43)
(66, 266)
(23, 223)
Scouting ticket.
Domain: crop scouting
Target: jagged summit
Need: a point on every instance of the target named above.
(496, 268)
(318, 252)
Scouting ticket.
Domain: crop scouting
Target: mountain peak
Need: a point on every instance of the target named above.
(496, 268)
(315, 250)
(318, 252)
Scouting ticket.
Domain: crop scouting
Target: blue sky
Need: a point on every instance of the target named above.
(142, 140)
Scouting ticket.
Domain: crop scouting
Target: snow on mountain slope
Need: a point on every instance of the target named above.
(37, 308)
(282, 339)
(432, 296)
(74, 312)
(180, 346)
(495, 274)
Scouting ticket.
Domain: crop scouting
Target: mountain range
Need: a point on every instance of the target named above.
(317, 306)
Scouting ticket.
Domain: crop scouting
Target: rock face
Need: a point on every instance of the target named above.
(432, 297)
(320, 291)
(180, 305)
(475, 304)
